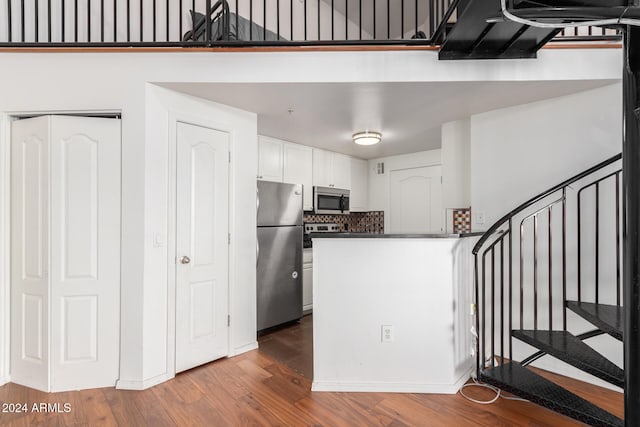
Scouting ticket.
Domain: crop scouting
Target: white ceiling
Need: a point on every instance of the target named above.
(409, 115)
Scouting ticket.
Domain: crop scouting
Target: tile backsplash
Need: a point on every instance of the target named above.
(355, 222)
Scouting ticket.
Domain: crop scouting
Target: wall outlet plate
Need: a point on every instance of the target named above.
(387, 333)
(480, 217)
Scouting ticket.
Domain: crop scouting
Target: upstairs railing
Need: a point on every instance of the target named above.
(156, 23)
(564, 244)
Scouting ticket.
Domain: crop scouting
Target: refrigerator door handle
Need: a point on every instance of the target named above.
(257, 252)
(257, 200)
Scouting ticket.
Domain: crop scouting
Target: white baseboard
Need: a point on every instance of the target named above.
(244, 349)
(142, 384)
(464, 378)
(5, 380)
(385, 387)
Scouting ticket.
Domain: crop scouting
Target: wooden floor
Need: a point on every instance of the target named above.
(258, 389)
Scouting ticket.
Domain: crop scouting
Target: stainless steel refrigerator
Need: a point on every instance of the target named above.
(279, 251)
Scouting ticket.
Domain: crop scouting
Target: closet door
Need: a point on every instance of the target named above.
(85, 252)
(29, 252)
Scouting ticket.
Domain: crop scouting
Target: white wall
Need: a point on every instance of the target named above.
(379, 184)
(519, 152)
(456, 164)
(5, 245)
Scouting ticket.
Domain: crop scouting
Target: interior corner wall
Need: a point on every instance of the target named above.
(5, 247)
(521, 151)
(456, 158)
(379, 197)
(162, 107)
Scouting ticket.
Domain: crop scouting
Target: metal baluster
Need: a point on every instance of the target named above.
(22, 18)
(128, 20)
(550, 271)
(510, 290)
(318, 19)
(564, 258)
(346, 19)
(115, 20)
(207, 23)
(9, 19)
(278, 19)
(102, 20)
(617, 239)
(332, 20)
(250, 20)
(154, 20)
(502, 300)
(521, 276)
(597, 254)
(416, 20)
(36, 5)
(535, 272)
(579, 248)
(48, 20)
(75, 20)
(432, 19)
(62, 20)
(141, 20)
(264, 19)
(401, 19)
(237, 13)
(484, 308)
(305, 20)
(360, 17)
(88, 20)
(167, 19)
(493, 304)
(291, 19)
(374, 19)
(389, 20)
(476, 284)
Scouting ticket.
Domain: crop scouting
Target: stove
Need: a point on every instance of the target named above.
(326, 227)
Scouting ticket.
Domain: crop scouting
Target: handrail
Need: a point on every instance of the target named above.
(539, 197)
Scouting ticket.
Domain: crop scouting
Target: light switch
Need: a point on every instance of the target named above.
(158, 240)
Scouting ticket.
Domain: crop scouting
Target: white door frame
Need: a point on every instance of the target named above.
(5, 225)
(190, 119)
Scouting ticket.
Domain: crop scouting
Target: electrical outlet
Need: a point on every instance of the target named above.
(387, 333)
(480, 217)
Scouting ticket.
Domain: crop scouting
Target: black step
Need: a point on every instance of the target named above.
(570, 349)
(513, 378)
(608, 318)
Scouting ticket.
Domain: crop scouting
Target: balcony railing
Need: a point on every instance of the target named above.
(157, 23)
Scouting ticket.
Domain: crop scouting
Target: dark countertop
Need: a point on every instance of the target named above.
(391, 236)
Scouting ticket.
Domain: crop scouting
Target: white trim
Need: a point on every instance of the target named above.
(144, 384)
(5, 380)
(174, 118)
(243, 349)
(5, 248)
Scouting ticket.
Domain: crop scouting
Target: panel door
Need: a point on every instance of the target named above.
(416, 200)
(201, 245)
(30, 255)
(269, 159)
(85, 252)
(298, 169)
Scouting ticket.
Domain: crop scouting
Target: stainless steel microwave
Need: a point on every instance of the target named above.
(329, 200)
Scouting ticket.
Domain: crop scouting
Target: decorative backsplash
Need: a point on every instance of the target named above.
(461, 220)
(355, 222)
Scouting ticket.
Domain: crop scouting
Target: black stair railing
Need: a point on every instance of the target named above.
(146, 23)
(547, 251)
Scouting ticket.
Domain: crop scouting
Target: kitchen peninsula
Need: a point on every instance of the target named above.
(392, 313)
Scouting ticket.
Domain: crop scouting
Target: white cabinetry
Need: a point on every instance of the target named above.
(297, 165)
(270, 159)
(359, 200)
(282, 161)
(331, 169)
(307, 279)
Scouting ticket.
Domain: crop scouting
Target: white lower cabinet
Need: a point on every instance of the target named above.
(307, 279)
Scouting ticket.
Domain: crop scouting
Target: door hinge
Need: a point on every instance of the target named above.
(440, 180)
(228, 320)
(229, 156)
(229, 238)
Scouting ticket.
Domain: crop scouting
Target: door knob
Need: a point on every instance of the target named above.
(185, 260)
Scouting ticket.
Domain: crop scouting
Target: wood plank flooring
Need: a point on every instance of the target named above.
(271, 387)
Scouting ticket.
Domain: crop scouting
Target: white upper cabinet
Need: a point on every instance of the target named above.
(270, 159)
(283, 161)
(331, 169)
(359, 200)
(298, 170)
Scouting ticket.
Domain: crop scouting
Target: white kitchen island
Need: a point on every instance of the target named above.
(392, 313)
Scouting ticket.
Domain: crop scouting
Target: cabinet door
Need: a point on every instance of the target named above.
(341, 171)
(307, 287)
(359, 185)
(269, 159)
(298, 166)
(321, 168)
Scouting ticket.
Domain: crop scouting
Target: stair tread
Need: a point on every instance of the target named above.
(514, 378)
(570, 349)
(609, 318)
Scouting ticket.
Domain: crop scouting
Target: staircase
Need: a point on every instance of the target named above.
(481, 32)
(545, 272)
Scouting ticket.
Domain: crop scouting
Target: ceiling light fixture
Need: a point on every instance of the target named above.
(367, 138)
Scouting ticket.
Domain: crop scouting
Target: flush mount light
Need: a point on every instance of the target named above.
(367, 138)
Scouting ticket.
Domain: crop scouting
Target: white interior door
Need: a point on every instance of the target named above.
(202, 251)
(30, 252)
(65, 252)
(416, 200)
